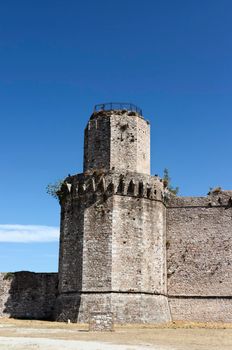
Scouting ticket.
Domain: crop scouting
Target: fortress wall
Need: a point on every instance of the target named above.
(140, 308)
(138, 248)
(97, 246)
(28, 295)
(120, 263)
(201, 309)
(85, 244)
(199, 250)
(126, 307)
(71, 243)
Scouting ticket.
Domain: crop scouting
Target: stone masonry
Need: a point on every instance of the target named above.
(28, 295)
(130, 251)
(99, 321)
(199, 257)
(112, 246)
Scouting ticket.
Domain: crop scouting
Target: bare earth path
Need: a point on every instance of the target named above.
(39, 335)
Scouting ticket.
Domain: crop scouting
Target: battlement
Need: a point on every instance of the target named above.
(214, 199)
(112, 182)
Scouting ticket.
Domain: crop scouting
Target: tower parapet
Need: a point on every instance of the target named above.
(113, 182)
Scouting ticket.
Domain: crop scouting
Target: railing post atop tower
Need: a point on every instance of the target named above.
(118, 106)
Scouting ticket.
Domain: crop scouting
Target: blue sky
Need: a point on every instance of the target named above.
(60, 57)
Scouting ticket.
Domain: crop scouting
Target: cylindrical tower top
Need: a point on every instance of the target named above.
(117, 139)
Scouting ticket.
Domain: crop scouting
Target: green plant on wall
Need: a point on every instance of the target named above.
(167, 183)
(53, 189)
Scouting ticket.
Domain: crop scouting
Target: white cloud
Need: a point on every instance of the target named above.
(28, 233)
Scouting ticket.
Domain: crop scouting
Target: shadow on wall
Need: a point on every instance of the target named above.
(83, 214)
(28, 295)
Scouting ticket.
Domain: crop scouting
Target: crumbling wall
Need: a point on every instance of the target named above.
(28, 295)
(199, 250)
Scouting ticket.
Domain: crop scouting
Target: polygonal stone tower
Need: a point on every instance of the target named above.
(112, 243)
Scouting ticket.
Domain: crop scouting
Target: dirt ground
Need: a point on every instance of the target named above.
(31, 335)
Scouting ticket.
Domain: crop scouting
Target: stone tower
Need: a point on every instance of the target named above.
(112, 244)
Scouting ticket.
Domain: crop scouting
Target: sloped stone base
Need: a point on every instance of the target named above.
(126, 307)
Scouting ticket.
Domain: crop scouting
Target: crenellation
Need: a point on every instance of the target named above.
(111, 182)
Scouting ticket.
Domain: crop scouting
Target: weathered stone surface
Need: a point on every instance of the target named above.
(199, 246)
(126, 307)
(112, 240)
(101, 321)
(117, 140)
(201, 309)
(138, 245)
(119, 227)
(28, 295)
(128, 248)
(113, 226)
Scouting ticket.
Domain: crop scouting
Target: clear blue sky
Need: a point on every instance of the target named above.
(60, 57)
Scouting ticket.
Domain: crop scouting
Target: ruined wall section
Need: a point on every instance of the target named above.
(28, 295)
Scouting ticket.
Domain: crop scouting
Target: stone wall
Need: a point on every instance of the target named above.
(28, 295)
(117, 140)
(199, 246)
(88, 215)
(143, 146)
(112, 252)
(97, 142)
(126, 307)
(199, 250)
(138, 246)
(101, 321)
(197, 309)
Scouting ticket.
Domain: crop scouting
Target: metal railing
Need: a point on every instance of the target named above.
(118, 106)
